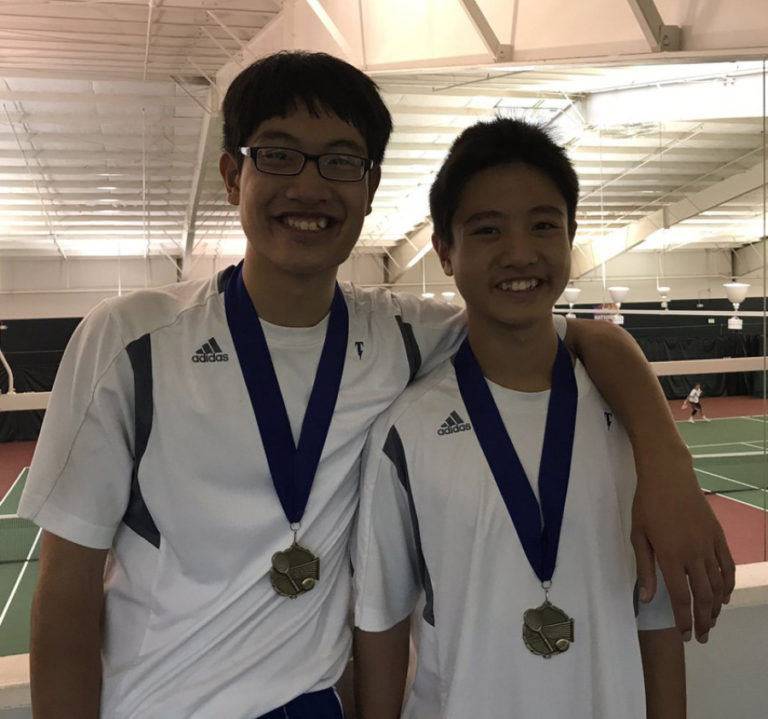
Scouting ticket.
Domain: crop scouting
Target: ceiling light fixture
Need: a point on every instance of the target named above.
(618, 294)
(736, 292)
(663, 290)
(571, 294)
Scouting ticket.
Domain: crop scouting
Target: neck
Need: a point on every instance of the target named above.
(518, 358)
(288, 300)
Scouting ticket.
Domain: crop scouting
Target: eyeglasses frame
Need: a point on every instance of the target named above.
(251, 152)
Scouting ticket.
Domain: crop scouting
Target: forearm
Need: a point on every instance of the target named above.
(65, 659)
(65, 646)
(381, 667)
(664, 672)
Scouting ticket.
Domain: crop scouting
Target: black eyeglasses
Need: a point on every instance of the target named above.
(287, 161)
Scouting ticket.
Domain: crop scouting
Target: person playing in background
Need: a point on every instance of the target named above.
(495, 497)
(197, 471)
(694, 399)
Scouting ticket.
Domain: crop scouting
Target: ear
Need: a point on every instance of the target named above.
(444, 253)
(374, 178)
(231, 176)
(572, 232)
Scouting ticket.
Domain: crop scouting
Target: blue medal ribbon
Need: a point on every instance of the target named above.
(293, 469)
(539, 543)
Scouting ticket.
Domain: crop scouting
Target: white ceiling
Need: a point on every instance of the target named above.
(109, 132)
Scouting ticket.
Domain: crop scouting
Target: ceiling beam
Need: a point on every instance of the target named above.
(660, 37)
(331, 27)
(591, 254)
(750, 259)
(408, 253)
(485, 32)
(210, 136)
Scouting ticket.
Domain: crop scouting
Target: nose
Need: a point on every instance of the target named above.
(518, 249)
(308, 185)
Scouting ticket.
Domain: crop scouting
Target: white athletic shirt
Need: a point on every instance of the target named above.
(694, 395)
(193, 627)
(434, 534)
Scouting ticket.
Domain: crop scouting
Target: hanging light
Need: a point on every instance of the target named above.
(663, 290)
(448, 296)
(618, 294)
(736, 292)
(571, 294)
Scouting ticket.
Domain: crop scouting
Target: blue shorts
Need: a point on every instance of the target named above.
(315, 705)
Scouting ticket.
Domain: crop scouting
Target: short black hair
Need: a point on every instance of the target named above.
(498, 142)
(276, 85)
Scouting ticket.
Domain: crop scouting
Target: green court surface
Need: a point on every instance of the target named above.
(729, 459)
(17, 578)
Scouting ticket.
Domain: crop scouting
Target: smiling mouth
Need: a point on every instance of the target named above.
(525, 285)
(306, 224)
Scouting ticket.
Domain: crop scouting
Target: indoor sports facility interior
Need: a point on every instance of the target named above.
(110, 136)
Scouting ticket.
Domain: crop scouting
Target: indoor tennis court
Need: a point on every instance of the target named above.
(110, 149)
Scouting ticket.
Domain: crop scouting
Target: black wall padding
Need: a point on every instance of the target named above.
(33, 349)
(661, 349)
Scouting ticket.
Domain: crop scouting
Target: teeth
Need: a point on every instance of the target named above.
(519, 285)
(306, 224)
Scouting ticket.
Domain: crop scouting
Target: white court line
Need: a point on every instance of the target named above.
(15, 482)
(754, 444)
(20, 577)
(728, 479)
(720, 444)
(726, 455)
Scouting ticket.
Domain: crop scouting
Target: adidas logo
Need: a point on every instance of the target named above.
(454, 423)
(210, 352)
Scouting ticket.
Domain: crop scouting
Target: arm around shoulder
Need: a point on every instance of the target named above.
(65, 647)
(672, 518)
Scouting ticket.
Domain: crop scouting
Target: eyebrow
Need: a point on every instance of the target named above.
(282, 136)
(483, 215)
(546, 210)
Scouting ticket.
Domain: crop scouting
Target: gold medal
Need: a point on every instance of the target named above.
(547, 630)
(294, 571)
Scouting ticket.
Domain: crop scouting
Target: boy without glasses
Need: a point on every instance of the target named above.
(218, 495)
(512, 536)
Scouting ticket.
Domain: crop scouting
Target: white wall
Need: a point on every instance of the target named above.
(690, 275)
(58, 288)
(51, 287)
(726, 677)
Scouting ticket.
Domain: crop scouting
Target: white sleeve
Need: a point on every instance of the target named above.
(79, 481)
(386, 576)
(657, 614)
(438, 328)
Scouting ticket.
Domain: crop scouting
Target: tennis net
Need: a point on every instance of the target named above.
(19, 539)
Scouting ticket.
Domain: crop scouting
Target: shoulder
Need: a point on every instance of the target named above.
(381, 301)
(145, 311)
(413, 408)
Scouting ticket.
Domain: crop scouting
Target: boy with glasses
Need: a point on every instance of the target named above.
(203, 439)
